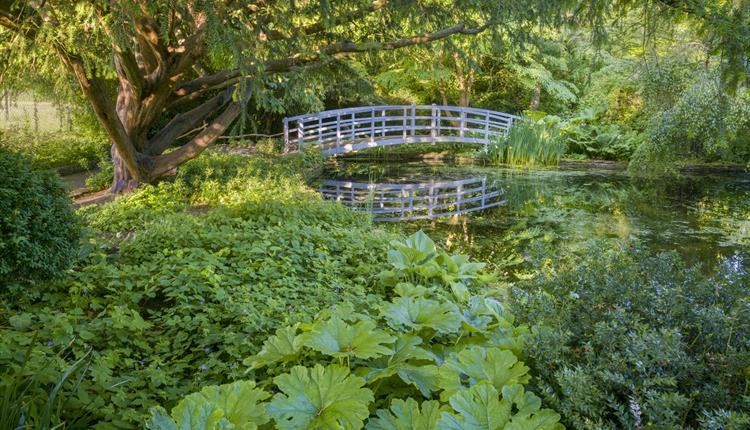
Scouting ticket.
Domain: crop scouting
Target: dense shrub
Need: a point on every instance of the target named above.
(38, 230)
(437, 357)
(626, 340)
(704, 124)
(586, 134)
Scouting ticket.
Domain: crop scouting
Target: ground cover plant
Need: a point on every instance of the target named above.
(438, 355)
(170, 295)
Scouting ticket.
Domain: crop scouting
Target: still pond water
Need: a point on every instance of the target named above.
(704, 218)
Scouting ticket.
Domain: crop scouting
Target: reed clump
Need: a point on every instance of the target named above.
(528, 143)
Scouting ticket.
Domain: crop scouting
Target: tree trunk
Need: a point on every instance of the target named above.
(7, 108)
(123, 180)
(465, 80)
(535, 97)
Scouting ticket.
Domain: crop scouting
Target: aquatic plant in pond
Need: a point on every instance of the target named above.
(527, 143)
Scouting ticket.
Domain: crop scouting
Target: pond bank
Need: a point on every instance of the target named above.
(565, 163)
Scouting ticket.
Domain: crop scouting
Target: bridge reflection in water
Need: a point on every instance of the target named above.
(403, 202)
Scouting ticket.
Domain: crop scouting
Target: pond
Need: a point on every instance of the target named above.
(706, 219)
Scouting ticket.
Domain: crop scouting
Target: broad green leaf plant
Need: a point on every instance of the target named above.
(433, 357)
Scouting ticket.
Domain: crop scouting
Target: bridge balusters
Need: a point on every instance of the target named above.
(338, 132)
(462, 123)
(404, 122)
(484, 187)
(372, 124)
(413, 120)
(286, 135)
(487, 128)
(439, 120)
(382, 123)
(433, 133)
(320, 130)
(300, 134)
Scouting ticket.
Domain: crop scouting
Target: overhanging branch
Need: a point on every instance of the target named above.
(341, 49)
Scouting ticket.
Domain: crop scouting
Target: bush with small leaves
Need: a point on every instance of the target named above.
(38, 230)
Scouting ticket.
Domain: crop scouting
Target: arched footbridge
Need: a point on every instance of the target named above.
(352, 129)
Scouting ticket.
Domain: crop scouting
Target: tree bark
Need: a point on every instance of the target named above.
(123, 181)
(536, 97)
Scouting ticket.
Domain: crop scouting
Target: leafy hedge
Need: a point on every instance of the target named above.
(428, 359)
(38, 230)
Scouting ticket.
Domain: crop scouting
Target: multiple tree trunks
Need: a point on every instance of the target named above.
(159, 73)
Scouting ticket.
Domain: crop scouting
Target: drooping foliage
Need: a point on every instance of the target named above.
(704, 124)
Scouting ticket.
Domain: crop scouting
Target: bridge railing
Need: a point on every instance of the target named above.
(344, 130)
(399, 202)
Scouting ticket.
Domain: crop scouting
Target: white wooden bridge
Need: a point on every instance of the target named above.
(352, 129)
(402, 202)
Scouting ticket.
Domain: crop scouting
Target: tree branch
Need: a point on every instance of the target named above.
(185, 121)
(192, 90)
(126, 64)
(152, 51)
(167, 162)
(185, 55)
(205, 82)
(321, 26)
(341, 49)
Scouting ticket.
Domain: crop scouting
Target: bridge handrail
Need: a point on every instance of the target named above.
(343, 130)
(360, 109)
